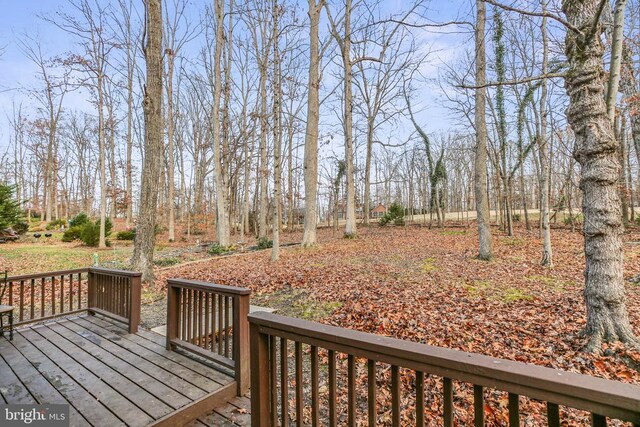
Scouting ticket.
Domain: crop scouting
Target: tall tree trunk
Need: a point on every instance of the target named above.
(547, 254)
(222, 205)
(480, 162)
(607, 318)
(102, 160)
(311, 134)
(153, 143)
(170, 147)
(367, 170)
(277, 139)
(350, 227)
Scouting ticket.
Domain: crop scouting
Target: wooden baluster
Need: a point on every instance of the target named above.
(371, 397)
(514, 410)
(448, 402)
(194, 332)
(351, 394)
(419, 399)
(225, 327)
(189, 315)
(478, 405)
(79, 291)
(10, 293)
(333, 414)
(284, 382)
(299, 396)
(207, 320)
(220, 324)
(32, 285)
(21, 310)
(273, 379)
(183, 314)
(315, 394)
(42, 297)
(62, 293)
(53, 295)
(553, 415)
(395, 396)
(198, 310)
(201, 333)
(70, 292)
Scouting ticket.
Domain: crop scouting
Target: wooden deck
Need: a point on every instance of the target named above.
(110, 377)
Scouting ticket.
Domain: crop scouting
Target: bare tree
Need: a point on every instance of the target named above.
(311, 134)
(153, 142)
(480, 162)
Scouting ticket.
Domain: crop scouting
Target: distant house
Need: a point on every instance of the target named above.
(378, 211)
(342, 211)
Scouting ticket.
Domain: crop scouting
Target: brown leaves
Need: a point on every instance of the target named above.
(425, 286)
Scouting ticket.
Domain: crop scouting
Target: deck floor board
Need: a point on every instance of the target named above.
(108, 377)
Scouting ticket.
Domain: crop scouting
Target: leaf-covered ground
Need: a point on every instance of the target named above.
(425, 285)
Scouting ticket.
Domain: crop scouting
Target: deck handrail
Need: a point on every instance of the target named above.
(602, 398)
(210, 320)
(38, 297)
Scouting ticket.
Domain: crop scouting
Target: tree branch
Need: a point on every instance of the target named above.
(514, 82)
(537, 14)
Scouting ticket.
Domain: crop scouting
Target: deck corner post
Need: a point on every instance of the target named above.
(172, 313)
(135, 291)
(260, 405)
(241, 343)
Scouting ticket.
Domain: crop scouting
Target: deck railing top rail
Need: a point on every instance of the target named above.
(29, 276)
(607, 398)
(212, 287)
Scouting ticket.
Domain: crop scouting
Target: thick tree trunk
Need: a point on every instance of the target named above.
(607, 318)
(222, 205)
(311, 134)
(153, 144)
(480, 162)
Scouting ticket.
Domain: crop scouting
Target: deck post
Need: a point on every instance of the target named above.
(173, 301)
(135, 290)
(260, 407)
(241, 342)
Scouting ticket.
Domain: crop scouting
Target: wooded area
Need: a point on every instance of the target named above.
(269, 116)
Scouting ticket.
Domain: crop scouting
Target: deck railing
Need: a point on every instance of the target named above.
(211, 321)
(116, 294)
(43, 296)
(270, 379)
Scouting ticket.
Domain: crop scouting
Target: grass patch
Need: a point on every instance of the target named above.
(166, 262)
(515, 294)
(551, 282)
(489, 290)
(429, 265)
(453, 232)
(513, 241)
(297, 303)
